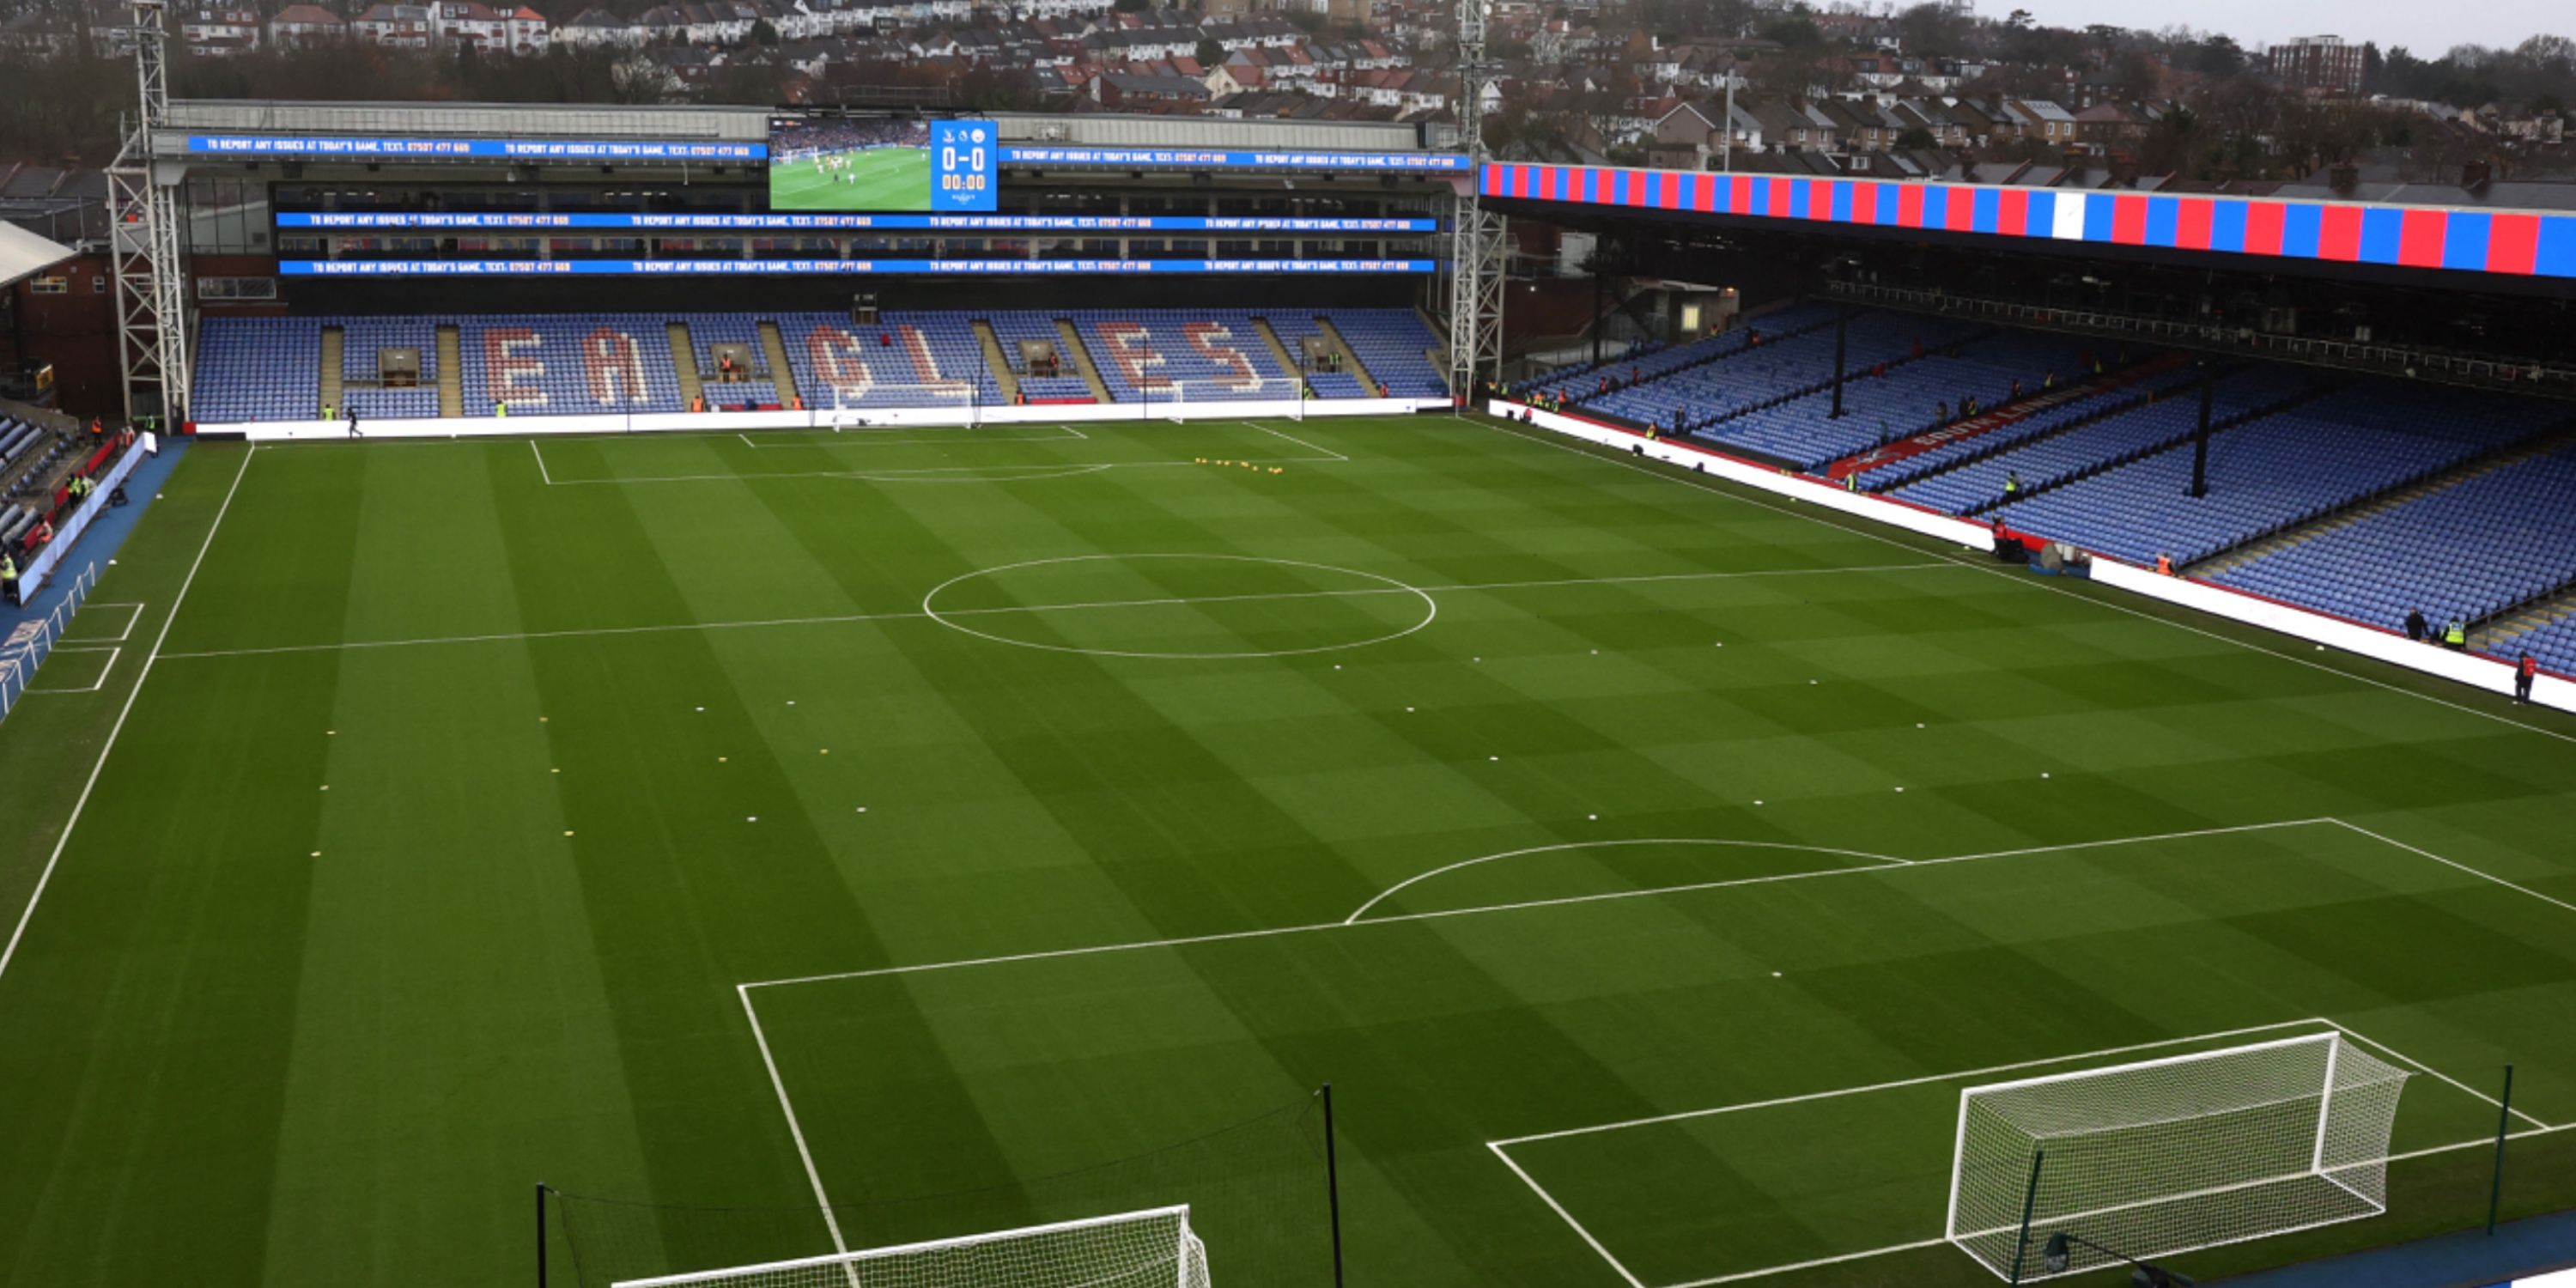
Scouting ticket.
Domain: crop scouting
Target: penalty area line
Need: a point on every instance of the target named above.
(1565, 1216)
(804, 1153)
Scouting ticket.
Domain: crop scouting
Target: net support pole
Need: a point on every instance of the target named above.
(541, 1234)
(2029, 1203)
(2504, 1128)
(1333, 1184)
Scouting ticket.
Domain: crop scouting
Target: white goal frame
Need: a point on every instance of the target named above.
(852, 1269)
(2358, 1142)
(948, 402)
(1270, 397)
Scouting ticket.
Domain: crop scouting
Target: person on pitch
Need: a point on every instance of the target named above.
(2524, 672)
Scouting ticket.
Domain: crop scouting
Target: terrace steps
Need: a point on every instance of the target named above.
(1351, 355)
(997, 361)
(451, 371)
(684, 363)
(334, 345)
(782, 374)
(2238, 557)
(1081, 355)
(2514, 621)
(1279, 350)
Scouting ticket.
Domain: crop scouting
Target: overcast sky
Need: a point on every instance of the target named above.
(2423, 27)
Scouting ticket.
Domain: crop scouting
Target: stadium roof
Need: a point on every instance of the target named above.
(24, 254)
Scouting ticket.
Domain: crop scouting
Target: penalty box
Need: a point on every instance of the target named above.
(1744, 1192)
(1628, 997)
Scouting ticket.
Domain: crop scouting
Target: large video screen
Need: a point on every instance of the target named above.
(857, 163)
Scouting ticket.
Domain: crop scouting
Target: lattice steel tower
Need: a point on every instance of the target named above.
(1476, 251)
(144, 238)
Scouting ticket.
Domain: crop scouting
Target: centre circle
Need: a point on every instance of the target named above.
(1180, 606)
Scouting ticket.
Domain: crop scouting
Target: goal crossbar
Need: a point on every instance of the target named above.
(1179, 1214)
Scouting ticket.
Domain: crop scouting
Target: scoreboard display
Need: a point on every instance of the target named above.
(964, 158)
(836, 162)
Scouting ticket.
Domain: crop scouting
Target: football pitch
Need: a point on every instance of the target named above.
(735, 822)
(876, 179)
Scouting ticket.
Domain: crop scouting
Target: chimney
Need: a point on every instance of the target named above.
(2124, 170)
(2476, 175)
(2343, 178)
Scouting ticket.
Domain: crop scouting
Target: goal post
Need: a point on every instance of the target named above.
(2175, 1154)
(1281, 398)
(1154, 1248)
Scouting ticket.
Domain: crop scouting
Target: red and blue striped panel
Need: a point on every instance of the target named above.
(2517, 243)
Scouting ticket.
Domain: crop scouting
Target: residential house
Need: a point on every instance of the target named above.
(2109, 125)
(511, 29)
(298, 24)
(2044, 121)
(1985, 123)
(600, 29)
(217, 32)
(1876, 71)
(399, 26)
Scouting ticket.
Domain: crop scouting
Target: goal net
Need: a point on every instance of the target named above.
(1179, 400)
(948, 402)
(1149, 1249)
(2171, 1155)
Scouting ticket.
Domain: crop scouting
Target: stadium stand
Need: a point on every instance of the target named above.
(2552, 643)
(1903, 397)
(905, 360)
(569, 364)
(1212, 354)
(2481, 546)
(1757, 377)
(1013, 328)
(1394, 344)
(362, 338)
(2085, 405)
(2088, 447)
(1581, 381)
(706, 331)
(251, 369)
(265, 369)
(2275, 471)
(1295, 330)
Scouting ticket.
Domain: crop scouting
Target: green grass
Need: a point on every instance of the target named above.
(876, 179)
(472, 779)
